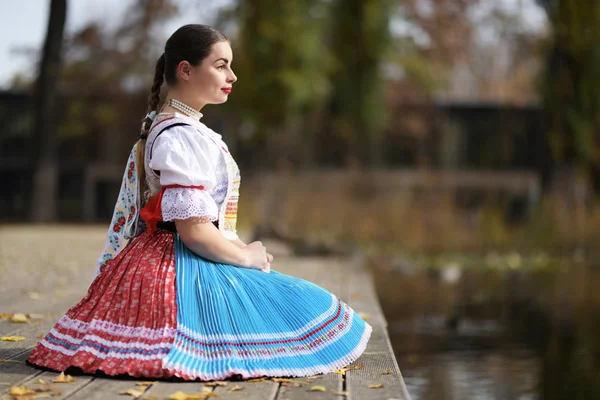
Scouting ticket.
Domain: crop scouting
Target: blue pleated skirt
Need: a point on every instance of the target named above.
(239, 321)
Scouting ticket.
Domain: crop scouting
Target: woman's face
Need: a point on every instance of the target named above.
(210, 81)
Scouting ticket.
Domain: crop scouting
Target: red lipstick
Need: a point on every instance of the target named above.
(227, 90)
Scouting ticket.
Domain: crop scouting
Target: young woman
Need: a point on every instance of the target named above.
(177, 293)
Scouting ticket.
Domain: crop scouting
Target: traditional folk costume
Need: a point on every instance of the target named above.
(156, 309)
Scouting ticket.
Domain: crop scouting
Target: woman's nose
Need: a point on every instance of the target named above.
(232, 77)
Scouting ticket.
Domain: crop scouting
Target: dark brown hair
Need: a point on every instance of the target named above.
(191, 43)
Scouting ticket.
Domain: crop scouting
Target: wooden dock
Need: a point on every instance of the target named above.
(45, 270)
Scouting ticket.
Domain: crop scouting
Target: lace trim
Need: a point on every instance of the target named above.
(184, 203)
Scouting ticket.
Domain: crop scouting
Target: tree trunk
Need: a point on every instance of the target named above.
(45, 169)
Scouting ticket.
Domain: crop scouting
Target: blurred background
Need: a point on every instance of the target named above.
(453, 144)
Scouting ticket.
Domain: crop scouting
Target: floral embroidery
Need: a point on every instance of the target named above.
(123, 223)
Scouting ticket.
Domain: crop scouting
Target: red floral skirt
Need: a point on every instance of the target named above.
(127, 322)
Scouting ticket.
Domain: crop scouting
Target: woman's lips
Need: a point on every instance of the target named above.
(226, 90)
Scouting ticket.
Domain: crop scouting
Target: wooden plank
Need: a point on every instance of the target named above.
(163, 389)
(66, 389)
(333, 384)
(103, 389)
(265, 390)
(32, 334)
(17, 372)
(375, 371)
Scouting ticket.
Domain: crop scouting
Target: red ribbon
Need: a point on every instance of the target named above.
(152, 211)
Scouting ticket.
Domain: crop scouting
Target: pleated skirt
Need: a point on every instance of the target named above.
(159, 310)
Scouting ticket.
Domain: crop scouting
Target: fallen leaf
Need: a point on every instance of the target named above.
(19, 317)
(145, 383)
(342, 393)
(41, 381)
(62, 378)
(256, 380)
(12, 338)
(35, 296)
(5, 316)
(388, 372)
(184, 396)
(215, 383)
(44, 395)
(357, 366)
(45, 387)
(206, 389)
(317, 389)
(282, 380)
(340, 371)
(375, 386)
(133, 392)
(292, 384)
(235, 388)
(364, 316)
(20, 391)
(15, 361)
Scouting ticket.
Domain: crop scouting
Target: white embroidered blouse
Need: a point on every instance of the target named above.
(192, 155)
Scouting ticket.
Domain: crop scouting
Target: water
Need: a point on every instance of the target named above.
(492, 333)
(471, 362)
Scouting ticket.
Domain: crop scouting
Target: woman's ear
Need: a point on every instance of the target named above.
(184, 70)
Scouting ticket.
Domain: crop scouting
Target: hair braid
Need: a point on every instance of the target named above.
(153, 100)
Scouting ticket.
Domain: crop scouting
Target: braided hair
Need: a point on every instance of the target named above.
(191, 43)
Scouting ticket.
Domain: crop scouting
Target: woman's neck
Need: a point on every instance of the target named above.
(182, 97)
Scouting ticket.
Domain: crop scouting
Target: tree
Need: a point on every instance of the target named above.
(570, 88)
(360, 40)
(45, 168)
(282, 62)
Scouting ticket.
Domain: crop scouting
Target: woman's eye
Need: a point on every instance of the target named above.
(221, 66)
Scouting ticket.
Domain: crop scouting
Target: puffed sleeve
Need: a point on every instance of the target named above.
(186, 158)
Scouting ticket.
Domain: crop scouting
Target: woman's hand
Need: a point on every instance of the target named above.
(257, 256)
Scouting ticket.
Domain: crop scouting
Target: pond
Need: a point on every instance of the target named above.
(493, 326)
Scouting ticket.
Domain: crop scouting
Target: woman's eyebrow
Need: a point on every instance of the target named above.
(222, 58)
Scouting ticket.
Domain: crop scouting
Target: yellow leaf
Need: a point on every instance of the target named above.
(184, 396)
(18, 318)
(318, 389)
(375, 386)
(364, 316)
(340, 371)
(145, 383)
(44, 395)
(256, 380)
(282, 380)
(62, 378)
(20, 391)
(132, 392)
(35, 296)
(388, 372)
(342, 393)
(41, 381)
(235, 388)
(215, 383)
(12, 338)
(5, 315)
(357, 366)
